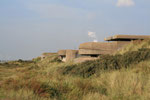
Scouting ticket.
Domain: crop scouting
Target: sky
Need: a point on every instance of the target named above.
(30, 27)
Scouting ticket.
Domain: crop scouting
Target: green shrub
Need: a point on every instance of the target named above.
(135, 57)
(54, 58)
(36, 59)
(107, 62)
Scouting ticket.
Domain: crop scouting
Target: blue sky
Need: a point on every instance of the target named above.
(31, 27)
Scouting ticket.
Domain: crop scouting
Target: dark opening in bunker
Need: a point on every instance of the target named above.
(88, 55)
(62, 57)
(94, 55)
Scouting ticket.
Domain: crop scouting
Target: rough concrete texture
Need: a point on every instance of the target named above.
(95, 52)
(127, 37)
(83, 59)
(71, 55)
(121, 44)
(98, 45)
(97, 48)
(62, 52)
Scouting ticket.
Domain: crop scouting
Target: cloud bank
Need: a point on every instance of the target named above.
(125, 3)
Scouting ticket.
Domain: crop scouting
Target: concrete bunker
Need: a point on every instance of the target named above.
(92, 50)
(113, 44)
(123, 40)
(62, 55)
(95, 49)
(71, 55)
(127, 37)
(68, 55)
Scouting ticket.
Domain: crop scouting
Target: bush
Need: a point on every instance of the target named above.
(54, 58)
(36, 59)
(107, 62)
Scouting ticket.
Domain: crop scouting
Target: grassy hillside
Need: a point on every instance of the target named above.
(135, 46)
(108, 63)
(124, 76)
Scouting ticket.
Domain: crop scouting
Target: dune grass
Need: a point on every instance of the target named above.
(107, 62)
(135, 46)
(45, 79)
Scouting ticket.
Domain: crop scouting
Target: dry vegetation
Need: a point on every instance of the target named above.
(118, 77)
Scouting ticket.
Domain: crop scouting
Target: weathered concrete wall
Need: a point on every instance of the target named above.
(62, 55)
(95, 52)
(62, 52)
(129, 37)
(101, 48)
(97, 48)
(138, 41)
(67, 55)
(98, 45)
(83, 59)
(121, 44)
(71, 55)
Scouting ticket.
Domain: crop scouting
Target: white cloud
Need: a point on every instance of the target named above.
(93, 36)
(125, 3)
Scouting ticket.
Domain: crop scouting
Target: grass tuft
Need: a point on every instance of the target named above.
(123, 76)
